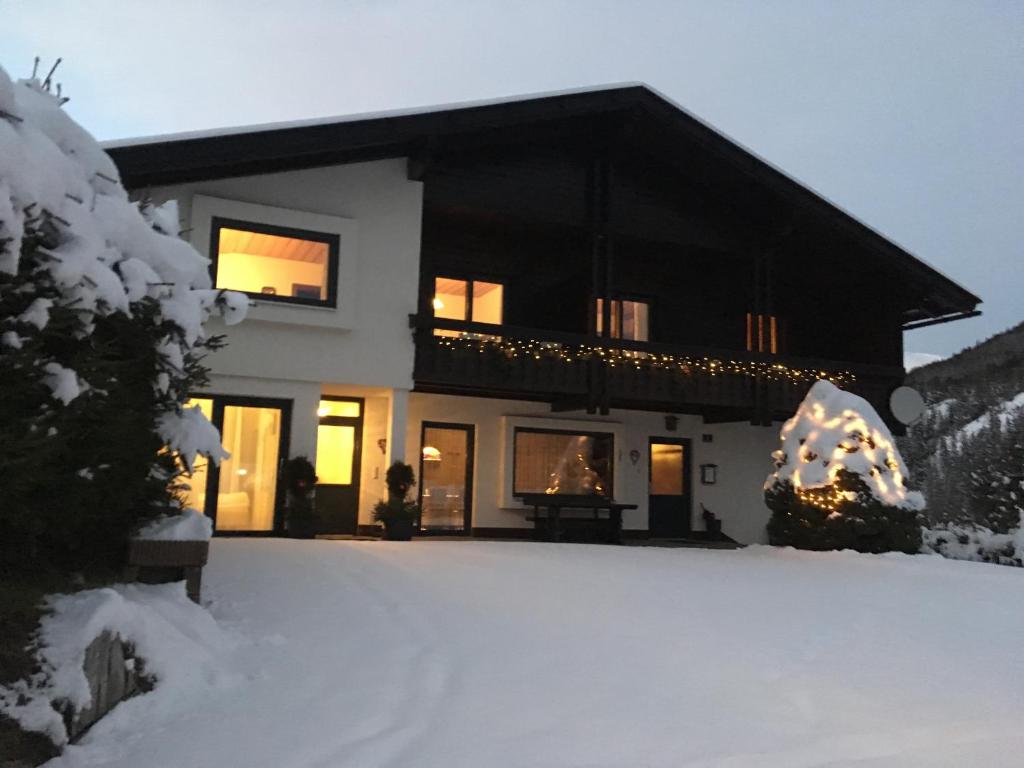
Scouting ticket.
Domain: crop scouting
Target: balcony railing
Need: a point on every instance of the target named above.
(578, 371)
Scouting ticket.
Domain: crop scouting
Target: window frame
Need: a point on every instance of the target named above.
(621, 297)
(469, 279)
(220, 401)
(332, 240)
(610, 479)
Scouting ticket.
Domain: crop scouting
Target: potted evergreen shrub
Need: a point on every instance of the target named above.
(398, 514)
(299, 481)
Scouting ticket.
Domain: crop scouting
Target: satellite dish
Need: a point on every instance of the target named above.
(906, 404)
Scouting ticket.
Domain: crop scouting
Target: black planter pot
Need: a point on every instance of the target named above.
(399, 530)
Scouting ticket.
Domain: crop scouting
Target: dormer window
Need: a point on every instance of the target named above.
(629, 319)
(275, 263)
(762, 333)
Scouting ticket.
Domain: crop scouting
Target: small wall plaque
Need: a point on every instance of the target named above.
(708, 474)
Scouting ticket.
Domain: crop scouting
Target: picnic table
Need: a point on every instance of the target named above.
(548, 507)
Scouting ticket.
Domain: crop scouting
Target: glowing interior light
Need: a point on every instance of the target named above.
(243, 472)
(438, 304)
(322, 411)
(430, 453)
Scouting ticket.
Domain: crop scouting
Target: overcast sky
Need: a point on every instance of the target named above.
(909, 115)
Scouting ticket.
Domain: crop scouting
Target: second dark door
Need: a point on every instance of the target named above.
(668, 501)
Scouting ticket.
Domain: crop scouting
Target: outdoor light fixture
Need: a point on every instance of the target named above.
(708, 474)
(671, 422)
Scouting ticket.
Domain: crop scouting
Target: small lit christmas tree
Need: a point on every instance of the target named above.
(574, 473)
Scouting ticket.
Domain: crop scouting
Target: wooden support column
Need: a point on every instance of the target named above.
(598, 197)
(756, 314)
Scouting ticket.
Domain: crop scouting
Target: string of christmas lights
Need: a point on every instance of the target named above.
(828, 498)
(626, 358)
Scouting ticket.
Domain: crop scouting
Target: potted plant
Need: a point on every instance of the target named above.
(299, 481)
(398, 514)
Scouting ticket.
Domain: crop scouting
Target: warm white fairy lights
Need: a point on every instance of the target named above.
(834, 431)
(625, 358)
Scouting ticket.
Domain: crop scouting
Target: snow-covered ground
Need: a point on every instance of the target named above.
(488, 655)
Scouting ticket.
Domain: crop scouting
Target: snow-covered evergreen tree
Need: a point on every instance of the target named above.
(840, 481)
(102, 312)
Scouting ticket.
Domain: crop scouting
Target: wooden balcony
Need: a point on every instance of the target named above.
(574, 371)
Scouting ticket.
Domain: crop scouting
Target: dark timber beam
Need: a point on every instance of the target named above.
(570, 404)
(944, 319)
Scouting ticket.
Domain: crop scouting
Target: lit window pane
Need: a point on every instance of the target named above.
(634, 320)
(487, 302)
(450, 298)
(346, 408)
(450, 302)
(335, 454)
(564, 463)
(445, 457)
(272, 265)
(247, 490)
(629, 319)
(666, 469)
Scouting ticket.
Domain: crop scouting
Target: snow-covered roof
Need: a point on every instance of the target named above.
(242, 150)
(372, 115)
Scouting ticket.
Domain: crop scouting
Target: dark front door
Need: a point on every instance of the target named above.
(446, 478)
(338, 462)
(668, 502)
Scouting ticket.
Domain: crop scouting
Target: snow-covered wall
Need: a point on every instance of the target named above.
(366, 339)
(742, 453)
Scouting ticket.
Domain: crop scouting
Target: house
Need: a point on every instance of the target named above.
(582, 292)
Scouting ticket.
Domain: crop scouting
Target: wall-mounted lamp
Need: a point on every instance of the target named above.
(708, 474)
(671, 422)
(634, 456)
(383, 444)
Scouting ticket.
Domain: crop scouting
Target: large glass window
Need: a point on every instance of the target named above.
(479, 301)
(629, 319)
(553, 461)
(275, 263)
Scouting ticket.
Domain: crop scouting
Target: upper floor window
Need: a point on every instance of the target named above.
(629, 319)
(478, 301)
(275, 263)
(762, 333)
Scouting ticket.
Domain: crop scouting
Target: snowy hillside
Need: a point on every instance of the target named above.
(513, 654)
(967, 452)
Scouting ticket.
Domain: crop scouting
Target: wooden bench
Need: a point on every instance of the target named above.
(550, 525)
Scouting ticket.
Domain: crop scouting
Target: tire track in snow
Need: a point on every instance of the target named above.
(427, 672)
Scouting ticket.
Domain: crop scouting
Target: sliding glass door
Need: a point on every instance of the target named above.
(446, 478)
(242, 494)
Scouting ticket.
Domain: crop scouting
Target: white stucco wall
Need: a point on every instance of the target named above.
(742, 453)
(366, 340)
